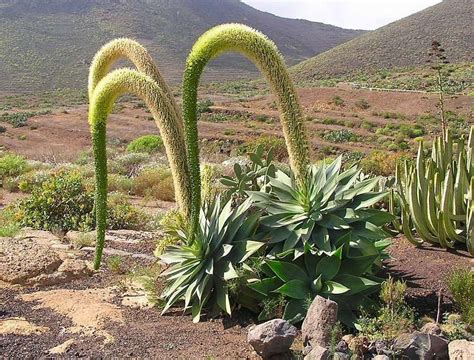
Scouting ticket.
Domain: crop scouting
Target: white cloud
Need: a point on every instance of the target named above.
(354, 14)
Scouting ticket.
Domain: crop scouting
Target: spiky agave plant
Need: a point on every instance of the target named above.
(201, 270)
(321, 211)
(263, 52)
(147, 83)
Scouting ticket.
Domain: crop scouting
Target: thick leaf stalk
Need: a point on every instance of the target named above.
(263, 52)
(164, 111)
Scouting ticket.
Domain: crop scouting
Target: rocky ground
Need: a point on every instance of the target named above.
(54, 305)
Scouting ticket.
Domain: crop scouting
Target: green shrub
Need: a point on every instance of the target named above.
(337, 100)
(146, 144)
(27, 182)
(122, 215)
(119, 183)
(12, 165)
(9, 226)
(204, 106)
(115, 264)
(172, 222)
(383, 163)
(267, 142)
(461, 285)
(156, 183)
(129, 164)
(340, 136)
(60, 203)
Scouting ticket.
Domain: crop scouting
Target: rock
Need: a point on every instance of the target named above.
(23, 259)
(342, 346)
(418, 345)
(359, 345)
(20, 326)
(380, 357)
(272, 337)
(431, 328)
(347, 338)
(319, 321)
(62, 348)
(69, 270)
(461, 350)
(318, 353)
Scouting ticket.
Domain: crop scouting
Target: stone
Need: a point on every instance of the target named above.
(359, 345)
(23, 259)
(69, 270)
(318, 353)
(380, 357)
(431, 328)
(342, 346)
(347, 338)
(20, 326)
(272, 337)
(461, 350)
(62, 348)
(418, 345)
(319, 322)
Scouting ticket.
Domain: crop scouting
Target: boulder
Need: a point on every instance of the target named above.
(318, 353)
(319, 322)
(461, 350)
(418, 345)
(23, 259)
(431, 328)
(380, 357)
(342, 346)
(272, 337)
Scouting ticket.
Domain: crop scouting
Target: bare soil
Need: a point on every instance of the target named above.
(62, 136)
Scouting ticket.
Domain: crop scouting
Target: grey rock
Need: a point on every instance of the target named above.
(418, 345)
(272, 337)
(461, 350)
(319, 322)
(340, 356)
(431, 328)
(342, 346)
(318, 353)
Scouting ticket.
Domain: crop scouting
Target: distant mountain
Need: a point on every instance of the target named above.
(46, 44)
(402, 43)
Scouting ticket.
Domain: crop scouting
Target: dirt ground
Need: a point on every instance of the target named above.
(62, 135)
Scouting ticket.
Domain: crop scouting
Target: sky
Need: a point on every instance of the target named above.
(351, 14)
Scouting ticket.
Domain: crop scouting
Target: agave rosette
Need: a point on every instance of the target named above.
(321, 211)
(200, 271)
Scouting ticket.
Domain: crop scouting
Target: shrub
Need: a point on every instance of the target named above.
(267, 142)
(146, 144)
(32, 179)
(129, 164)
(60, 203)
(337, 100)
(115, 264)
(461, 285)
(362, 104)
(171, 223)
(204, 106)
(122, 215)
(340, 136)
(9, 226)
(394, 316)
(382, 162)
(12, 165)
(119, 183)
(156, 183)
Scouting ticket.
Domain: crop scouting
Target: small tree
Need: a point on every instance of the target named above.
(438, 61)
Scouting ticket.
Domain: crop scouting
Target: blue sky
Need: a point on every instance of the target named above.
(353, 14)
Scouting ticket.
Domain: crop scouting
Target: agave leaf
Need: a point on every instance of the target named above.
(265, 286)
(355, 284)
(295, 289)
(287, 271)
(334, 288)
(294, 311)
(328, 267)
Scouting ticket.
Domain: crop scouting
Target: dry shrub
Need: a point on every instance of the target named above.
(156, 183)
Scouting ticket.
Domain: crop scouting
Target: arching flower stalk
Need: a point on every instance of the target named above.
(265, 55)
(148, 84)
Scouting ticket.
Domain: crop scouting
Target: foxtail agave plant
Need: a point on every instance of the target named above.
(147, 83)
(436, 193)
(265, 55)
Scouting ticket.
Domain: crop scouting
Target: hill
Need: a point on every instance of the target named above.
(47, 44)
(400, 44)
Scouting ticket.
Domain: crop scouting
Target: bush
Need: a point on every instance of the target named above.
(122, 215)
(9, 226)
(129, 164)
(119, 183)
(172, 222)
(382, 162)
(337, 100)
(12, 165)
(32, 179)
(267, 142)
(146, 144)
(156, 183)
(340, 136)
(461, 285)
(204, 106)
(60, 203)
(362, 104)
